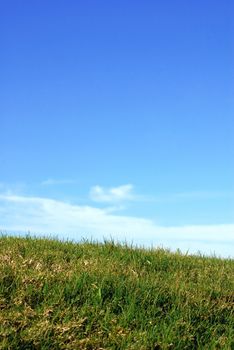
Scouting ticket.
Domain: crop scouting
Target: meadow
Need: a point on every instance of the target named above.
(89, 295)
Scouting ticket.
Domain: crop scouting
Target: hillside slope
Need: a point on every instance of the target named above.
(62, 295)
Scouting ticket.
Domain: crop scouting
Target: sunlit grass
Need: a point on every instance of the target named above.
(62, 295)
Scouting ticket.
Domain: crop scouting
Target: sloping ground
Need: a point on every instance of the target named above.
(56, 295)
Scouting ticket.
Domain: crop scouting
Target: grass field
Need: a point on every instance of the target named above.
(62, 295)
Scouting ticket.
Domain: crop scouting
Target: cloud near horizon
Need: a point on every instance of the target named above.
(67, 221)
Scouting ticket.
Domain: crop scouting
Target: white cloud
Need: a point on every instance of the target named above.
(113, 194)
(48, 216)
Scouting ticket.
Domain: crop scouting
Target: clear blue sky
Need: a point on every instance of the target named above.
(121, 106)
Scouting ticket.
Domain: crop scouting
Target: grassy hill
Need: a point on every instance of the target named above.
(61, 295)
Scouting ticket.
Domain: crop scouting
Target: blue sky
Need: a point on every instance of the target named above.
(117, 117)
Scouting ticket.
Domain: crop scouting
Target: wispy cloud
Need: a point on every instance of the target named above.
(125, 193)
(48, 216)
(202, 195)
(186, 196)
(55, 182)
(113, 194)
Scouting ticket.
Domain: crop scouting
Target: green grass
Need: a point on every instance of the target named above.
(62, 295)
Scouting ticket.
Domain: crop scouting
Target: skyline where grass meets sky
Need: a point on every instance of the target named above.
(116, 120)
